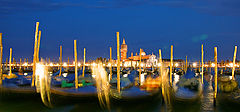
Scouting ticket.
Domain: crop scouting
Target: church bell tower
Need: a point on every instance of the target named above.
(123, 50)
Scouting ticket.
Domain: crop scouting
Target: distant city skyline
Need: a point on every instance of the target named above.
(150, 25)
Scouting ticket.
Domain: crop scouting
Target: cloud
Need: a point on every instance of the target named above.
(200, 38)
(212, 7)
(15, 6)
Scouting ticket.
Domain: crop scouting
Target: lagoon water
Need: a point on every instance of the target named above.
(205, 105)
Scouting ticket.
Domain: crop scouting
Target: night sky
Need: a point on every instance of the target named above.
(147, 24)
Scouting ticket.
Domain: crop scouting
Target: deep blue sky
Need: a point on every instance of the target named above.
(147, 24)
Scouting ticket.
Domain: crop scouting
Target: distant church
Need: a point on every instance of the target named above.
(124, 57)
(132, 58)
(149, 59)
(123, 51)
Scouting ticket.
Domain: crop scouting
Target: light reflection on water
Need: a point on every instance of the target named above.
(143, 78)
(175, 81)
(64, 74)
(207, 98)
(102, 85)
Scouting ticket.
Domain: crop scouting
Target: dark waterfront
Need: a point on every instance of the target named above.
(204, 105)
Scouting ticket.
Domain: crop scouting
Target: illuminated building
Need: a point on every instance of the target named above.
(147, 60)
(123, 51)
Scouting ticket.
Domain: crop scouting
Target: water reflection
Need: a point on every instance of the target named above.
(43, 83)
(166, 91)
(102, 85)
(207, 97)
(175, 81)
(64, 74)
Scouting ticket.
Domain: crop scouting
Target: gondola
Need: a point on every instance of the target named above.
(131, 91)
(63, 89)
(185, 90)
(188, 88)
(18, 88)
(228, 90)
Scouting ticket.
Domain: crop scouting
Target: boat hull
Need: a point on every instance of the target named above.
(8, 93)
(134, 96)
(60, 96)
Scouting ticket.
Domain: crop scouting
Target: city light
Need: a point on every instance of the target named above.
(176, 64)
(109, 64)
(51, 64)
(25, 64)
(125, 64)
(231, 64)
(212, 65)
(94, 64)
(194, 64)
(65, 64)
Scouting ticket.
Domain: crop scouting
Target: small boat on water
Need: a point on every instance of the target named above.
(63, 88)
(228, 71)
(228, 89)
(178, 71)
(131, 90)
(188, 87)
(18, 87)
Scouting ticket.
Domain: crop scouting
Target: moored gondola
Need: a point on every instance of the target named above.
(64, 91)
(132, 91)
(18, 88)
(188, 88)
(229, 91)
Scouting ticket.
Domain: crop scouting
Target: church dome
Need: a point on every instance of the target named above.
(143, 53)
